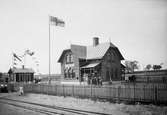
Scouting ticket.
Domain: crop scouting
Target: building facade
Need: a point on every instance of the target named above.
(84, 63)
(21, 75)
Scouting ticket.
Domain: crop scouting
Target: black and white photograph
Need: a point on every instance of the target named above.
(83, 57)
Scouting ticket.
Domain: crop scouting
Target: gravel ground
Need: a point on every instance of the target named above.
(6, 109)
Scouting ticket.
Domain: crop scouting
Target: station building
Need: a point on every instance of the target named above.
(85, 62)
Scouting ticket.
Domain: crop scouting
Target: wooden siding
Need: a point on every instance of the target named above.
(112, 65)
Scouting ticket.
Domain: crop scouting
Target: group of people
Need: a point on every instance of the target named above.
(96, 81)
(92, 79)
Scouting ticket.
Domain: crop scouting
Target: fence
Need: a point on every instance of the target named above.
(153, 76)
(154, 93)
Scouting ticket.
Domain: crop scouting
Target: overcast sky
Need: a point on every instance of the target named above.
(137, 27)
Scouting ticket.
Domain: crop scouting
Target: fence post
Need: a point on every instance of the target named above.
(73, 90)
(91, 90)
(144, 92)
(46, 89)
(32, 87)
(119, 88)
(56, 89)
(134, 91)
(63, 91)
(41, 91)
(110, 93)
(155, 93)
(84, 91)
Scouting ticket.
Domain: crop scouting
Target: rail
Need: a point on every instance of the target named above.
(47, 109)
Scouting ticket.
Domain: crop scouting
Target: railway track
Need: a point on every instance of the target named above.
(47, 109)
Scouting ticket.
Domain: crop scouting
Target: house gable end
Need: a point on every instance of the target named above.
(62, 55)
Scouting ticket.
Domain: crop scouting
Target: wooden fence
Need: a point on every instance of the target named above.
(154, 93)
(153, 76)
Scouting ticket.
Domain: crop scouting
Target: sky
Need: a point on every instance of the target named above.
(137, 27)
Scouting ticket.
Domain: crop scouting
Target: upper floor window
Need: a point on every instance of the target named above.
(112, 56)
(69, 58)
(108, 57)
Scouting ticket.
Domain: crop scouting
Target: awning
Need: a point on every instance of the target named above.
(91, 65)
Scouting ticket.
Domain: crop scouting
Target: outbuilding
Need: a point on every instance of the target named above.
(21, 75)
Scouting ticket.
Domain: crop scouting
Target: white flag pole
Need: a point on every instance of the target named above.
(12, 60)
(49, 52)
(55, 20)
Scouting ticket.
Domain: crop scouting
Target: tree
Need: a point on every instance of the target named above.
(130, 66)
(1, 74)
(157, 67)
(148, 67)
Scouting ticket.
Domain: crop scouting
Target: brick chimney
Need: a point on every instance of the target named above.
(95, 41)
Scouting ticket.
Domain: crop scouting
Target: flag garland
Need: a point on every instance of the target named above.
(16, 57)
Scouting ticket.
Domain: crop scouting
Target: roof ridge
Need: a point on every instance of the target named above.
(110, 43)
(78, 45)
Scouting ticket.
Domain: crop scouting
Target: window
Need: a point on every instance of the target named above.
(116, 74)
(73, 74)
(108, 57)
(69, 58)
(112, 75)
(112, 56)
(65, 74)
(72, 60)
(17, 77)
(69, 73)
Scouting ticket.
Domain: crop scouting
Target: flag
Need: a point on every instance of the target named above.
(57, 22)
(32, 53)
(16, 57)
(29, 52)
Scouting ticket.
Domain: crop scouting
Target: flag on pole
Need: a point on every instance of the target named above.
(57, 22)
(16, 57)
(29, 52)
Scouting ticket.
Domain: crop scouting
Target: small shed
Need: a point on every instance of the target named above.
(21, 74)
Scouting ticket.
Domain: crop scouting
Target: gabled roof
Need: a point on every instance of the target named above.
(78, 50)
(91, 52)
(97, 52)
(62, 55)
(20, 70)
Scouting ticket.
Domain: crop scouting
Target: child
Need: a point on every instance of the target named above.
(21, 92)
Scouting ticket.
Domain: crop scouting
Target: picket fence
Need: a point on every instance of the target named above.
(154, 93)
